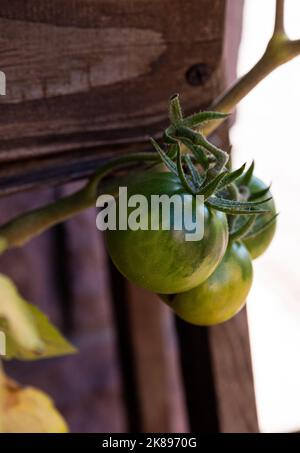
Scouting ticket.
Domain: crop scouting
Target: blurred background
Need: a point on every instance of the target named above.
(266, 130)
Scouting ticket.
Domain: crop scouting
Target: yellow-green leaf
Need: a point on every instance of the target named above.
(16, 320)
(29, 334)
(54, 343)
(29, 410)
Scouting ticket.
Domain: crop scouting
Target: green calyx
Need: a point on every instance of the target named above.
(246, 228)
(201, 166)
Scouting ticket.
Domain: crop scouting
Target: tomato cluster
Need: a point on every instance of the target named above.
(162, 260)
(205, 282)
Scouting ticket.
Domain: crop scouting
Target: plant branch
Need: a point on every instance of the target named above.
(293, 47)
(279, 17)
(280, 50)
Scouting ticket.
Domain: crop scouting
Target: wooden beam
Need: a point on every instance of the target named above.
(89, 78)
(232, 370)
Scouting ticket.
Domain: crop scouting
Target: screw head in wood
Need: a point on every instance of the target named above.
(198, 74)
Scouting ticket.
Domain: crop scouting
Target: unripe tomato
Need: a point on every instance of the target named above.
(259, 243)
(163, 261)
(222, 295)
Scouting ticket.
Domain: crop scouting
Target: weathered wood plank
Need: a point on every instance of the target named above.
(103, 116)
(92, 73)
(157, 367)
(233, 376)
(118, 13)
(21, 263)
(94, 373)
(196, 363)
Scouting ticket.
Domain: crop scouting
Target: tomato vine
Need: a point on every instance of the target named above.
(196, 167)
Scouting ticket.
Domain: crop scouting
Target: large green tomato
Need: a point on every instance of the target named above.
(222, 295)
(163, 261)
(259, 243)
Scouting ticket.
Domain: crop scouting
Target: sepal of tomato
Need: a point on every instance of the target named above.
(163, 261)
(222, 295)
(258, 243)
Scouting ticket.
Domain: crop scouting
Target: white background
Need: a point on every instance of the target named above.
(268, 130)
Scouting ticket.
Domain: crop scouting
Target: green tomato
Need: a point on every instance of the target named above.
(259, 243)
(222, 295)
(163, 261)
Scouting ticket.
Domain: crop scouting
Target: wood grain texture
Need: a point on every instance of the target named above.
(233, 376)
(94, 374)
(86, 75)
(54, 170)
(157, 364)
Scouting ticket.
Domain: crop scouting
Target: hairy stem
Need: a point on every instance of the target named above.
(175, 113)
(221, 157)
(233, 195)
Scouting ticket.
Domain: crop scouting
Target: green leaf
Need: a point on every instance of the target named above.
(29, 334)
(242, 231)
(231, 177)
(29, 410)
(168, 135)
(181, 173)
(197, 118)
(259, 194)
(175, 113)
(198, 151)
(249, 204)
(172, 151)
(198, 139)
(165, 158)
(262, 228)
(55, 344)
(247, 176)
(213, 185)
(16, 320)
(197, 179)
(237, 207)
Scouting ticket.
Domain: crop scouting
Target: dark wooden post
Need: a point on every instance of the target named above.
(90, 78)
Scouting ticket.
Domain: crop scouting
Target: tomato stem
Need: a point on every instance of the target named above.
(279, 17)
(279, 50)
(175, 112)
(221, 157)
